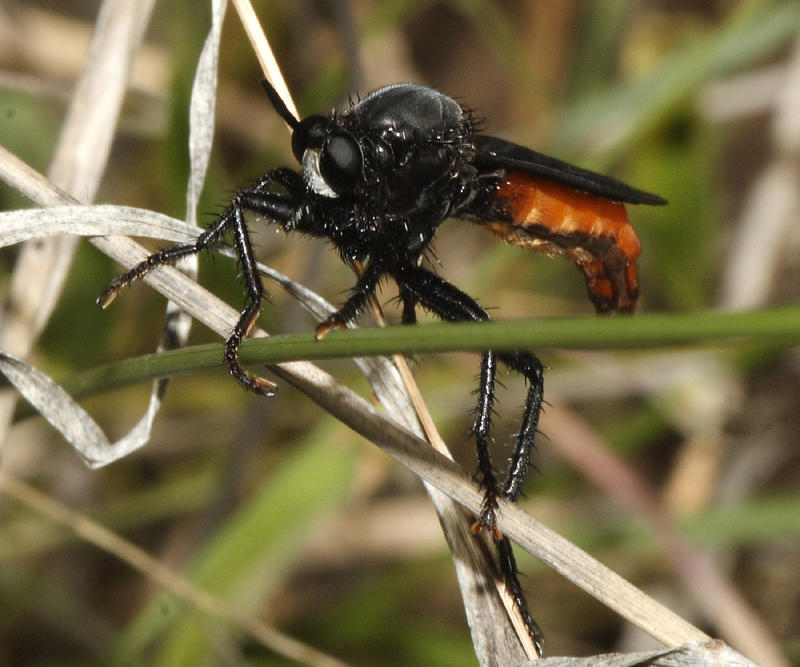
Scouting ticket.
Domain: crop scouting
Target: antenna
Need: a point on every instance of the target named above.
(279, 105)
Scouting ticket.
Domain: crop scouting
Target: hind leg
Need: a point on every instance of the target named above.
(448, 302)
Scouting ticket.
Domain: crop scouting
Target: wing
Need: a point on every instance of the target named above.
(494, 152)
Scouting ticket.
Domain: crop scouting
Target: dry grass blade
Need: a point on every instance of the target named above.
(770, 215)
(498, 633)
(162, 575)
(101, 220)
(409, 450)
(202, 111)
(69, 419)
(75, 424)
(263, 51)
(77, 166)
(346, 405)
(119, 29)
(703, 578)
(712, 654)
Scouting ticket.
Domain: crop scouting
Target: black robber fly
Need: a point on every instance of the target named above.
(377, 180)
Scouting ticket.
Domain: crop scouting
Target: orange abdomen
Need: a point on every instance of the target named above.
(594, 232)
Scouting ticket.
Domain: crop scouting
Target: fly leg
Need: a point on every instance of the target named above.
(508, 566)
(451, 304)
(409, 306)
(529, 366)
(257, 198)
(354, 306)
(448, 302)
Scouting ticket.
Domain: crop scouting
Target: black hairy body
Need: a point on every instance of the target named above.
(377, 181)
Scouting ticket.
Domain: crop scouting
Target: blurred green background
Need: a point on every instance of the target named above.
(280, 510)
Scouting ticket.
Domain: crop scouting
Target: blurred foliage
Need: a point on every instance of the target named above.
(240, 494)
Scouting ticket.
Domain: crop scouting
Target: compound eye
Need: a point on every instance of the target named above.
(340, 162)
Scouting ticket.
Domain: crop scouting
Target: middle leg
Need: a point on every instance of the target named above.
(354, 305)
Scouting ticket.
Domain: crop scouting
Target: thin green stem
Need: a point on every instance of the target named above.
(779, 326)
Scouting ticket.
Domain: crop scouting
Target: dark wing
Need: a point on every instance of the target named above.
(494, 152)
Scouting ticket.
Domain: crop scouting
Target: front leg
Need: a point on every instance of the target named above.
(252, 308)
(258, 198)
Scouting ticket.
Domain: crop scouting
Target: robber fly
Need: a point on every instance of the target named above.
(377, 180)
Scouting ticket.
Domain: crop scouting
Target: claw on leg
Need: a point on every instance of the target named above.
(254, 383)
(331, 323)
(491, 526)
(105, 297)
(110, 293)
(487, 519)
